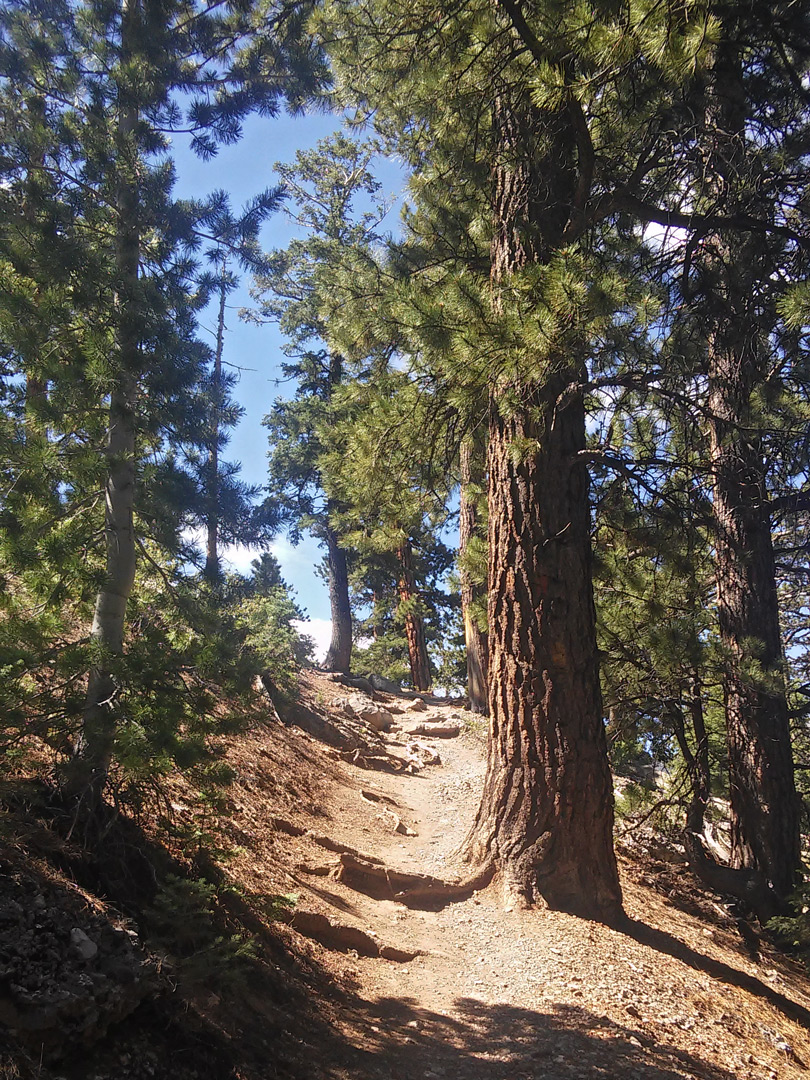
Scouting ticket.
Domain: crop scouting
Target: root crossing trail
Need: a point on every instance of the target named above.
(478, 990)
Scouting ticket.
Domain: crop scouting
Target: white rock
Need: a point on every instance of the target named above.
(437, 730)
(417, 705)
(82, 944)
(379, 719)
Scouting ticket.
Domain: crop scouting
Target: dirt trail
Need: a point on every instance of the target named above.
(496, 993)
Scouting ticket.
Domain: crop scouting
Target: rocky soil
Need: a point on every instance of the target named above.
(381, 968)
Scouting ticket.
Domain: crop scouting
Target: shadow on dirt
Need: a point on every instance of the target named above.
(672, 946)
(506, 1042)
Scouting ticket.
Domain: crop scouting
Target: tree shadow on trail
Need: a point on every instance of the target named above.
(665, 943)
(507, 1042)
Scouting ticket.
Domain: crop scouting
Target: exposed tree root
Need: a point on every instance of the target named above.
(342, 938)
(340, 849)
(389, 763)
(747, 886)
(412, 890)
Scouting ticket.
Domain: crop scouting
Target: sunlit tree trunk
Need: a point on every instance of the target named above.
(546, 814)
(475, 639)
(95, 746)
(414, 623)
(338, 657)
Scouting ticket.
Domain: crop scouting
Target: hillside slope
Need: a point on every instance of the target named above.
(381, 976)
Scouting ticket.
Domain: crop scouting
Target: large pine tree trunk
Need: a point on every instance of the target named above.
(414, 623)
(338, 657)
(764, 804)
(546, 815)
(94, 750)
(474, 638)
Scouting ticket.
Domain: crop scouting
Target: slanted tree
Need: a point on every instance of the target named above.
(654, 582)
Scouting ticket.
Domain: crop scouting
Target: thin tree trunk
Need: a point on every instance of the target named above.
(212, 567)
(338, 658)
(475, 639)
(36, 388)
(378, 629)
(546, 816)
(764, 804)
(697, 765)
(414, 623)
(696, 818)
(94, 749)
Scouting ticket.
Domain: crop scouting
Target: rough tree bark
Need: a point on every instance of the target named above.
(338, 657)
(764, 804)
(94, 749)
(475, 638)
(546, 815)
(414, 623)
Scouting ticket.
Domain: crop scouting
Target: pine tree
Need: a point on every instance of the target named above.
(234, 239)
(507, 90)
(296, 290)
(124, 363)
(742, 239)
(381, 466)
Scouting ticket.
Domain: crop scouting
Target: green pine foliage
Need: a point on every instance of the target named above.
(79, 183)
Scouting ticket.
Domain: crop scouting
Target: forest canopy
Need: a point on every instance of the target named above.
(550, 431)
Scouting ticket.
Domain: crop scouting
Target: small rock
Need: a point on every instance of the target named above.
(379, 719)
(422, 754)
(82, 944)
(437, 730)
(401, 828)
(379, 682)
(417, 705)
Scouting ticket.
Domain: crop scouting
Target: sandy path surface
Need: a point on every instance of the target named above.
(498, 993)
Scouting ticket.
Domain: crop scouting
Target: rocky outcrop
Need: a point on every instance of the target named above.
(67, 972)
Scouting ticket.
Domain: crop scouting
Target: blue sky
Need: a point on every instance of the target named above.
(243, 170)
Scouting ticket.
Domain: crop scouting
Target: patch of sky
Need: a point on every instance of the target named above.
(254, 352)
